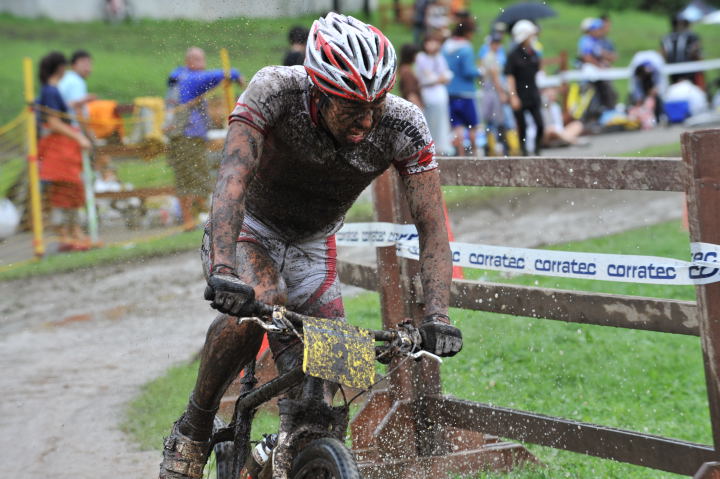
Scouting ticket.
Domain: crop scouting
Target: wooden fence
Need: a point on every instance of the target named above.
(412, 430)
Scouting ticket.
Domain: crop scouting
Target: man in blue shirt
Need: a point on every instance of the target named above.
(458, 52)
(73, 88)
(187, 129)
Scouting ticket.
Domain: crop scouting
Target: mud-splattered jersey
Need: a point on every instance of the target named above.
(304, 182)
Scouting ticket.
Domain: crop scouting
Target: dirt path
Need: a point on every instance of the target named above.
(75, 349)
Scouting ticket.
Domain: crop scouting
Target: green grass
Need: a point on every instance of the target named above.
(10, 169)
(670, 149)
(644, 381)
(166, 245)
(146, 174)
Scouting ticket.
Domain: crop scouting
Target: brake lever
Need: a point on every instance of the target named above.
(270, 328)
(419, 354)
(276, 324)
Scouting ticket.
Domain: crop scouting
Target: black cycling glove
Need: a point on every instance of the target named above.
(439, 336)
(228, 294)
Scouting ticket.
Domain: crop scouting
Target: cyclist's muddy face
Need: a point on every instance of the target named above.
(351, 121)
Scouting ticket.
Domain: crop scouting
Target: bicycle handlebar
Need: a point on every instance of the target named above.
(262, 309)
(405, 338)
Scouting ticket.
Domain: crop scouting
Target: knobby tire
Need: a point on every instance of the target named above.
(220, 464)
(325, 458)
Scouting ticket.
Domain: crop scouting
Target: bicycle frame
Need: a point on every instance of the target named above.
(302, 419)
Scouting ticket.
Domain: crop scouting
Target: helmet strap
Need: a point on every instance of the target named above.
(323, 102)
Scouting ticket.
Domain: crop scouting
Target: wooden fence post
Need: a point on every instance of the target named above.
(700, 153)
(395, 434)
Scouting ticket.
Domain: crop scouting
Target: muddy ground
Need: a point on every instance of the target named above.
(75, 348)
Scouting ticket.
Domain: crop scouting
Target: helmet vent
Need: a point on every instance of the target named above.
(366, 60)
(324, 56)
(348, 83)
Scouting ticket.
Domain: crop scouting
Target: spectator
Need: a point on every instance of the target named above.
(494, 95)
(73, 88)
(458, 52)
(437, 18)
(591, 51)
(609, 52)
(556, 132)
(296, 54)
(409, 85)
(647, 87)
(434, 75)
(498, 29)
(522, 66)
(419, 16)
(59, 151)
(682, 45)
(187, 129)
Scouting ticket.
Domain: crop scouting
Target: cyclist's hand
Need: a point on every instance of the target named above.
(228, 294)
(439, 336)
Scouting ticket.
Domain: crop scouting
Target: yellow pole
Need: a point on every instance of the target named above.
(32, 158)
(227, 83)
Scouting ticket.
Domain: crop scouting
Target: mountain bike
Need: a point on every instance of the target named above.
(310, 440)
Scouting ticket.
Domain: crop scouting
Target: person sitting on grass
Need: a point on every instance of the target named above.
(556, 132)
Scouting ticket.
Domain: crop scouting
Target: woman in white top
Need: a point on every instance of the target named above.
(433, 72)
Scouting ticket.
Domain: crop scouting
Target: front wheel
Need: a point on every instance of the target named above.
(220, 463)
(325, 458)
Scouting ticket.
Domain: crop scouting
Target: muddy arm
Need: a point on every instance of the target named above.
(243, 147)
(426, 206)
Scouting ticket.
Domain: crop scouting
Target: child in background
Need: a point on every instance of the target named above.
(434, 75)
(59, 152)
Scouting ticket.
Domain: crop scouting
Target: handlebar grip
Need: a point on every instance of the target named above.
(261, 308)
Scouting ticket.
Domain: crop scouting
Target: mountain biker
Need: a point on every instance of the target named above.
(302, 144)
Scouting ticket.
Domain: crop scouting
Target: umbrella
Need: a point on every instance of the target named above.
(524, 11)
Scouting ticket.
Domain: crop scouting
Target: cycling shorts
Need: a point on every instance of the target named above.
(309, 267)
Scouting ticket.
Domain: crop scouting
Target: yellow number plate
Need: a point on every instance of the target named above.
(339, 352)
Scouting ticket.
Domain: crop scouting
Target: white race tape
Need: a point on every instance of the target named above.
(595, 74)
(704, 267)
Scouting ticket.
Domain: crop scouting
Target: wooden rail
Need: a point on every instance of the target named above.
(646, 450)
(652, 174)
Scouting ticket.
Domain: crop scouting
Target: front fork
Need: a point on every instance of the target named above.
(303, 420)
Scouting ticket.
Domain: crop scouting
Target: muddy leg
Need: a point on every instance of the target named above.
(228, 346)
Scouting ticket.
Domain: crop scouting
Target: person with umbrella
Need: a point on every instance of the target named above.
(522, 66)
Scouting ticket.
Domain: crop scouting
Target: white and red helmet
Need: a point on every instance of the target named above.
(348, 58)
